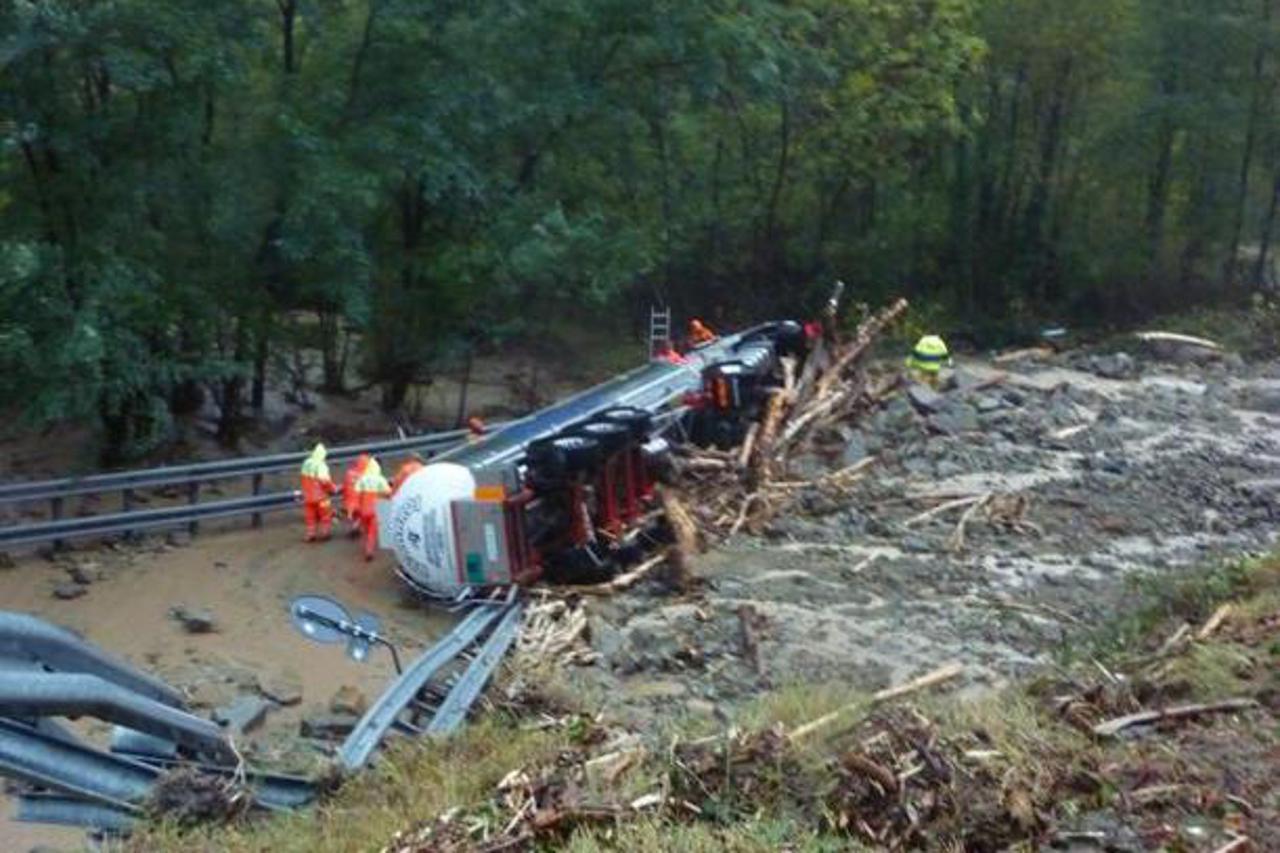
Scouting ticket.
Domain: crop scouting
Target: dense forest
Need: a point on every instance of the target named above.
(187, 190)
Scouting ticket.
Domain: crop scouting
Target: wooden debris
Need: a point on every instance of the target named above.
(1215, 622)
(1019, 354)
(938, 676)
(727, 492)
(1175, 338)
(1113, 727)
(968, 500)
(621, 582)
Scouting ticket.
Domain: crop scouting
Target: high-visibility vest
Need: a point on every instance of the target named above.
(316, 483)
(370, 487)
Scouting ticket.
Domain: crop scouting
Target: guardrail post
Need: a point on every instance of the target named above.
(257, 490)
(193, 498)
(55, 510)
(126, 503)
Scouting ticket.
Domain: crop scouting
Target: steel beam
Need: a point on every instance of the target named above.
(29, 640)
(380, 717)
(76, 695)
(463, 695)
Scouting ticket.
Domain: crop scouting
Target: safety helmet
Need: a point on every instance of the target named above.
(929, 355)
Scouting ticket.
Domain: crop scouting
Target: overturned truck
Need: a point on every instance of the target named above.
(565, 494)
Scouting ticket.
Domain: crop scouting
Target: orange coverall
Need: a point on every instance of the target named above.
(371, 486)
(317, 486)
(350, 501)
(699, 333)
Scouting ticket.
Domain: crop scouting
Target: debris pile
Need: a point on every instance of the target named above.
(732, 490)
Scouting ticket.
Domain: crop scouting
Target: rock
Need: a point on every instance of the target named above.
(924, 398)
(243, 715)
(605, 639)
(327, 726)
(1118, 365)
(1263, 399)
(6, 561)
(916, 544)
(78, 574)
(283, 687)
(961, 380)
(194, 621)
(855, 449)
(954, 420)
(68, 591)
(700, 708)
(348, 700)
(1014, 397)
(985, 403)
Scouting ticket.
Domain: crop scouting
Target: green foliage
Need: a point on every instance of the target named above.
(184, 186)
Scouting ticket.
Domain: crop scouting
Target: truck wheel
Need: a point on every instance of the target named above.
(636, 420)
(554, 459)
(611, 436)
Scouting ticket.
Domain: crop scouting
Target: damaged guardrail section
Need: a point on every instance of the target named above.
(47, 673)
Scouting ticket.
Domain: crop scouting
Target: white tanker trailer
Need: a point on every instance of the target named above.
(565, 493)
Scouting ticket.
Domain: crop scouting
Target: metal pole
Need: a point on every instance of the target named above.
(126, 503)
(257, 490)
(193, 498)
(55, 510)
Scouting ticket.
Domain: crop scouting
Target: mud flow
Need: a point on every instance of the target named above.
(1004, 516)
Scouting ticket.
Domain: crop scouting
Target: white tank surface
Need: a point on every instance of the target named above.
(420, 526)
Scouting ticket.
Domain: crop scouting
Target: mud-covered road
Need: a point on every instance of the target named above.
(243, 579)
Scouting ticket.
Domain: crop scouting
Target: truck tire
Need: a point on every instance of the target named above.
(636, 420)
(611, 436)
(556, 459)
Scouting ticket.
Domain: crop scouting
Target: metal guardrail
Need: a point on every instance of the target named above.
(148, 519)
(192, 476)
(221, 469)
(385, 711)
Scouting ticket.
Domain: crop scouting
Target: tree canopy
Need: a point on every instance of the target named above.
(181, 182)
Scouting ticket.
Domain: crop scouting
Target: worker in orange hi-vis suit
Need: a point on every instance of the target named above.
(410, 467)
(371, 486)
(700, 333)
(317, 486)
(350, 500)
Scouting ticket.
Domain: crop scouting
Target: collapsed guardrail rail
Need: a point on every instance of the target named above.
(193, 476)
(47, 672)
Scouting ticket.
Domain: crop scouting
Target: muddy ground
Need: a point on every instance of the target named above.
(243, 579)
(1099, 468)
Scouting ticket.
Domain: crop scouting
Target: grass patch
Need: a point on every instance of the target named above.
(413, 783)
(1157, 604)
